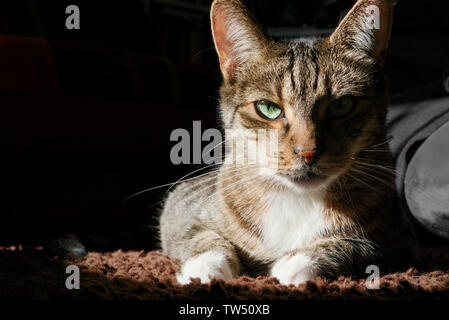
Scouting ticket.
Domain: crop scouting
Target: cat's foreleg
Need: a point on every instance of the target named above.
(212, 257)
(325, 258)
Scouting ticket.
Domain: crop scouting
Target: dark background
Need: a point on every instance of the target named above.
(86, 115)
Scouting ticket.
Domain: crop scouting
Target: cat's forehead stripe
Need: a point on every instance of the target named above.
(303, 71)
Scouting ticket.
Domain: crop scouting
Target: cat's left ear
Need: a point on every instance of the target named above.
(367, 28)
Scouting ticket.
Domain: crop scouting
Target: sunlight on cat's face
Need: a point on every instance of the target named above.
(327, 106)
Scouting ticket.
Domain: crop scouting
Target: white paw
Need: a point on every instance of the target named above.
(206, 266)
(294, 269)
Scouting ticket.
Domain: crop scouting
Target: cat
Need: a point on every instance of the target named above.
(328, 209)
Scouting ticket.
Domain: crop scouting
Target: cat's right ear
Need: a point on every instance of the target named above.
(237, 36)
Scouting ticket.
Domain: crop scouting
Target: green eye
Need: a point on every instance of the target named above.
(268, 109)
(341, 107)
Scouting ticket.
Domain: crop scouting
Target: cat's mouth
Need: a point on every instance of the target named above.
(308, 179)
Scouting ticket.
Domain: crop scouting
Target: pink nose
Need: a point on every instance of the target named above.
(308, 155)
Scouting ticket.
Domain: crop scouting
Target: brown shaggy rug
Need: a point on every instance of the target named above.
(30, 273)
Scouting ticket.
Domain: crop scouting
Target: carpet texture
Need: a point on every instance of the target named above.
(32, 274)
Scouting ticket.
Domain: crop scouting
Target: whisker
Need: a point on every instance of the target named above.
(230, 170)
(215, 172)
(376, 150)
(172, 184)
(426, 193)
(386, 163)
(382, 143)
(380, 167)
(372, 176)
(363, 182)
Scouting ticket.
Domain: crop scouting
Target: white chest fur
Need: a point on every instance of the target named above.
(292, 220)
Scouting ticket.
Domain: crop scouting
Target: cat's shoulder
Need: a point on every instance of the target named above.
(192, 190)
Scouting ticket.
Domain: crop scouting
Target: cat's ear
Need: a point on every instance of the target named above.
(366, 28)
(237, 36)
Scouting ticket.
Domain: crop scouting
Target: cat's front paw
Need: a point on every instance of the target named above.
(293, 269)
(206, 266)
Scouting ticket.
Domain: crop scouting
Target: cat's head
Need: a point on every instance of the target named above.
(325, 97)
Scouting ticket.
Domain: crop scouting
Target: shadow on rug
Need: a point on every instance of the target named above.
(32, 274)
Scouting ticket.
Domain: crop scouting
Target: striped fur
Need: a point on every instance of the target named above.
(271, 224)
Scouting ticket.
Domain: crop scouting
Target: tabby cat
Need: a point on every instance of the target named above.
(328, 209)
